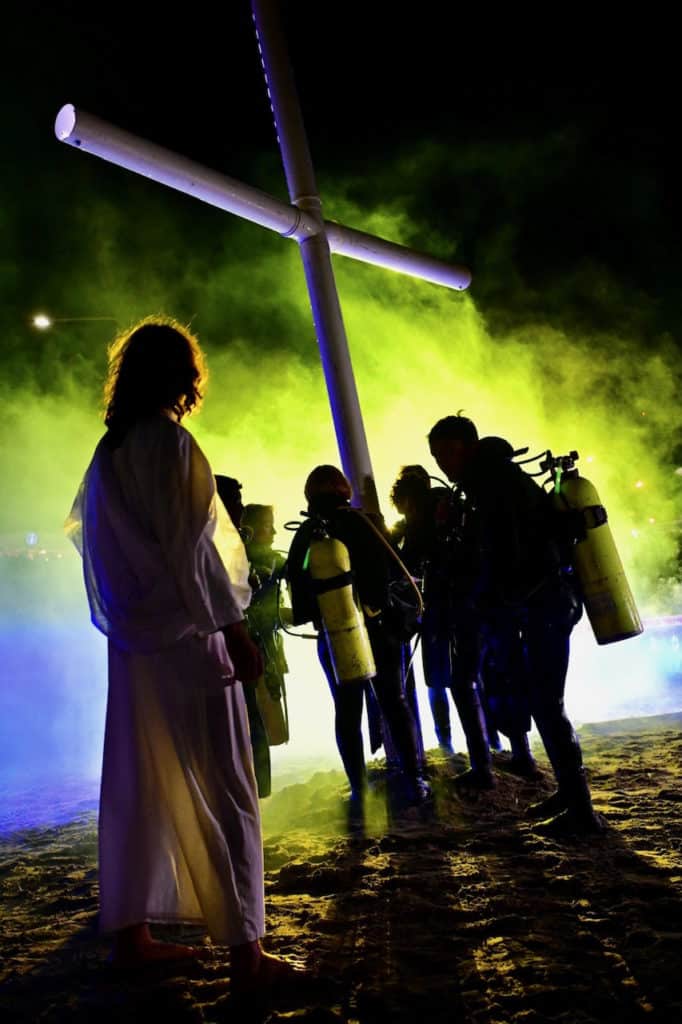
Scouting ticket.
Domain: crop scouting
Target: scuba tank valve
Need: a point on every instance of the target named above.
(608, 599)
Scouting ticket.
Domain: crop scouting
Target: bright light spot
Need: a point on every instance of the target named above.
(652, 519)
(41, 321)
(635, 533)
(640, 483)
(65, 122)
(31, 539)
(643, 413)
(679, 471)
(590, 458)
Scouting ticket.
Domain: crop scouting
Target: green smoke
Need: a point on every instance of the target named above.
(127, 247)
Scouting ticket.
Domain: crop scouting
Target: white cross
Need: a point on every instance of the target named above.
(302, 221)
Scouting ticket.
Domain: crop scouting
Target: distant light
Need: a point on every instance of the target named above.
(590, 458)
(635, 533)
(41, 321)
(652, 519)
(640, 483)
(31, 539)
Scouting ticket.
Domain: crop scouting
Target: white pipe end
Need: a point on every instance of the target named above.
(65, 122)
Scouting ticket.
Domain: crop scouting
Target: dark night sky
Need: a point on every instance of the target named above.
(556, 148)
(539, 150)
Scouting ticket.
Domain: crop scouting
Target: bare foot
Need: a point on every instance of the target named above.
(254, 971)
(154, 953)
(135, 947)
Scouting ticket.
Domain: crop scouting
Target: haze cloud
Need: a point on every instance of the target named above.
(115, 246)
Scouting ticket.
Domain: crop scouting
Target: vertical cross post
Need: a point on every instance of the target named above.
(316, 256)
(301, 221)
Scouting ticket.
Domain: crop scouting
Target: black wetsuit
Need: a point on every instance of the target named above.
(511, 571)
(420, 542)
(372, 571)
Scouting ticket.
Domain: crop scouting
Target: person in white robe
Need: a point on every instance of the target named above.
(167, 583)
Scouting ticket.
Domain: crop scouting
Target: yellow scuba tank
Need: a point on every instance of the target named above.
(274, 714)
(343, 622)
(608, 599)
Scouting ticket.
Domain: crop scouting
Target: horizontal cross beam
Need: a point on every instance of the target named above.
(92, 135)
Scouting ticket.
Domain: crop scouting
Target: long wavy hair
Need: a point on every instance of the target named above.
(155, 365)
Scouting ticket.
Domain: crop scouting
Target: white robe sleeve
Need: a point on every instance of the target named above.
(182, 508)
(230, 547)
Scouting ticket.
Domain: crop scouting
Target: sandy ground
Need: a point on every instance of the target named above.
(466, 917)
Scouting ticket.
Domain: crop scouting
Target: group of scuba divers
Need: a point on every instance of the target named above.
(488, 573)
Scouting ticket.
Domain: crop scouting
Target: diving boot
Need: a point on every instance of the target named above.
(522, 762)
(578, 816)
(571, 822)
(438, 699)
(548, 807)
(475, 778)
(480, 774)
(444, 737)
